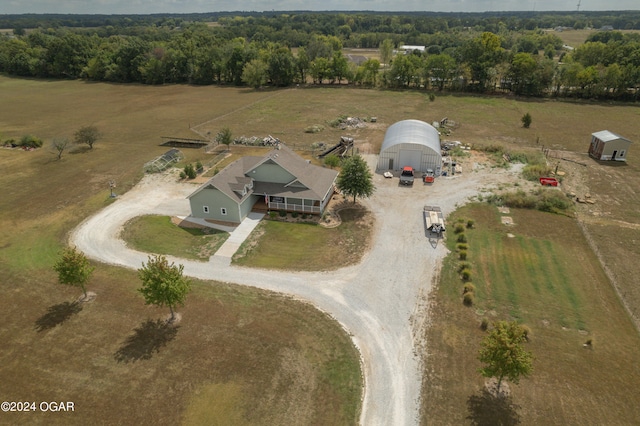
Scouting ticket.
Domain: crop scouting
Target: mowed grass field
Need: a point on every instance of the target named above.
(43, 199)
(542, 273)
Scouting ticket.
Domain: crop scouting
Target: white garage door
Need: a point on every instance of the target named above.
(410, 157)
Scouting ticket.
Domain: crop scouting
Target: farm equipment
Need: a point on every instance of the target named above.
(340, 149)
(434, 219)
(548, 181)
(406, 177)
(428, 176)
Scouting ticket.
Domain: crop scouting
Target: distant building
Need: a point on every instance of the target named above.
(407, 48)
(608, 146)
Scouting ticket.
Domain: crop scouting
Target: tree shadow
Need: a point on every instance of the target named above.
(56, 315)
(487, 409)
(146, 340)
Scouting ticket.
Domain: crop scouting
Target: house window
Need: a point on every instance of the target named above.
(621, 154)
(223, 211)
(205, 209)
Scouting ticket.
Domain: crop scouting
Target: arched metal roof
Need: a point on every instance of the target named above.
(411, 131)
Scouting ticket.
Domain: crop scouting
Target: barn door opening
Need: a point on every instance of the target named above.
(613, 157)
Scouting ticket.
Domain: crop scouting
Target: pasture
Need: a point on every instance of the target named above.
(232, 341)
(542, 273)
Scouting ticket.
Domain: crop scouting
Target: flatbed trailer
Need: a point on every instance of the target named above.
(434, 219)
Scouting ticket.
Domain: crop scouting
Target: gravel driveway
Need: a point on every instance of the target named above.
(381, 302)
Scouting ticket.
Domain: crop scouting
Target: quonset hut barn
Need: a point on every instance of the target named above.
(411, 143)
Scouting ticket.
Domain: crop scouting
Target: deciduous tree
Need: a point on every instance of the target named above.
(73, 269)
(224, 137)
(163, 284)
(503, 354)
(88, 135)
(58, 145)
(355, 179)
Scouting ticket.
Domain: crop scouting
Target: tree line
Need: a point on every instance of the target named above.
(282, 50)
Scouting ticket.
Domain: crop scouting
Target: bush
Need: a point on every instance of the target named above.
(466, 274)
(462, 238)
(199, 167)
(183, 175)
(272, 215)
(533, 172)
(463, 266)
(282, 213)
(462, 255)
(468, 288)
(189, 171)
(462, 246)
(29, 141)
(458, 228)
(468, 299)
(526, 120)
(484, 324)
(526, 331)
(432, 97)
(470, 224)
(294, 214)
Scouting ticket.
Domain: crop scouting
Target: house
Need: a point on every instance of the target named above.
(411, 143)
(280, 180)
(606, 145)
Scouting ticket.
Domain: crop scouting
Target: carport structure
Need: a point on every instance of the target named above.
(411, 143)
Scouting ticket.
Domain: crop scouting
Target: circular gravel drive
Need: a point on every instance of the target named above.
(381, 301)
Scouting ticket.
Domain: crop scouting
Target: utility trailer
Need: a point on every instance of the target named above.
(434, 219)
(548, 181)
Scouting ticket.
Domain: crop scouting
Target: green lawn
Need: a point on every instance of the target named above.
(540, 272)
(158, 235)
(307, 246)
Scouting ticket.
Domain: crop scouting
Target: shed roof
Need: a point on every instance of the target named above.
(411, 131)
(606, 136)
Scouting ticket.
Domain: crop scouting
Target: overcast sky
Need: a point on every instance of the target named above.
(188, 6)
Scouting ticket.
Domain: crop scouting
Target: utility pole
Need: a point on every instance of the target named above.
(579, 1)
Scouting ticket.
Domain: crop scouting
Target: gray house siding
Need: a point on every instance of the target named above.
(215, 201)
(269, 172)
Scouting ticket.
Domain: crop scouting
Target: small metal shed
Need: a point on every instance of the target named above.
(608, 146)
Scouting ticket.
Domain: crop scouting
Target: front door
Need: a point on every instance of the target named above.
(613, 157)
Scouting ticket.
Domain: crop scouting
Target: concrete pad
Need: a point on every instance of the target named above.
(238, 235)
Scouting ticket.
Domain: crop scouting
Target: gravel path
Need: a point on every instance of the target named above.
(381, 302)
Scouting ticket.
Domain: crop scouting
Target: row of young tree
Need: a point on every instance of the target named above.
(529, 63)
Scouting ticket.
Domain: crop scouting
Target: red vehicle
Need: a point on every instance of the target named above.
(548, 181)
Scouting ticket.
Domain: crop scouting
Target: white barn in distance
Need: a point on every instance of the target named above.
(608, 146)
(411, 143)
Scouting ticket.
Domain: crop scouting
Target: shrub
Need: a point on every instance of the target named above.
(199, 167)
(294, 214)
(29, 141)
(468, 299)
(463, 266)
(470, 223)
(462, 238)
(272, 215)
(189, 171)
(183, 175)
(462, 246)
(526, 120)
(462, 255)
(466, 274)
(468, 288)
(533, 172)
(526, 331)
(314, 129)
(458, 228)
(484, 324)
(432, 97)
(332, 160)
(282, 213)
